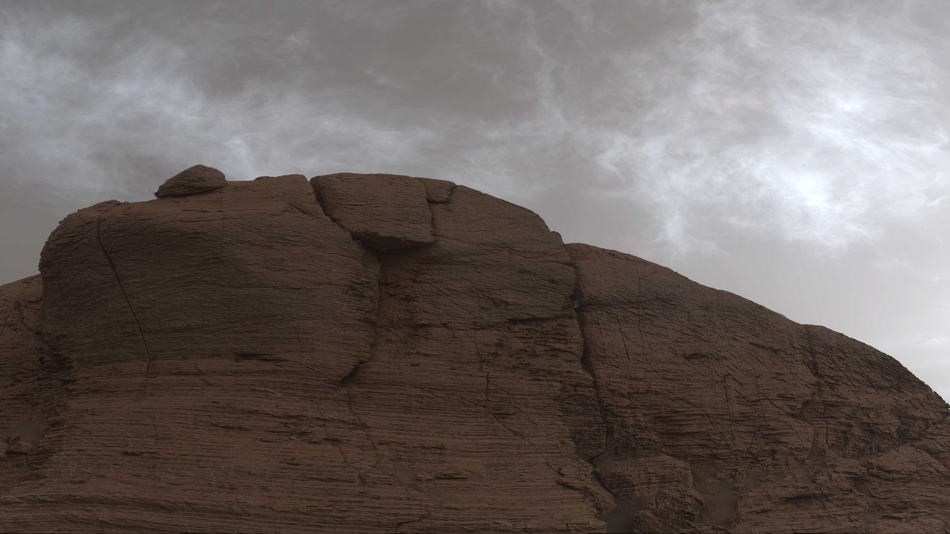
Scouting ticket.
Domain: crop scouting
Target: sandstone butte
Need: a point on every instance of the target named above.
(378, 353)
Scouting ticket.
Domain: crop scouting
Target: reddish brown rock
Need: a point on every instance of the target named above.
(191, 181)
(415, 356)
(773, 426)
(384, 211)
(29, 385)
(438, 191)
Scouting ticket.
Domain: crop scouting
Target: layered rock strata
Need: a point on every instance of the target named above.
(191, 181)
(361, 353)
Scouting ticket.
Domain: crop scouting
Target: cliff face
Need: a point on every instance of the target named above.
(376, 353)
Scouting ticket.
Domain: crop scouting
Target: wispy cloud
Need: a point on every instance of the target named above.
(818, 123)
(83, 131)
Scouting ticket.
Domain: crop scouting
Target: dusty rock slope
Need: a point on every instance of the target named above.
(363, 353)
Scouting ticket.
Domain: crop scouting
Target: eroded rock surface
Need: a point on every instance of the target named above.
(767, 424)
(386, 212)
(191, 181)
(364, 353)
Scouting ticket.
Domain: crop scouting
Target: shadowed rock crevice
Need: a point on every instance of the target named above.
(588, 368)
(336, 195)
(619, 518)
(371, 261)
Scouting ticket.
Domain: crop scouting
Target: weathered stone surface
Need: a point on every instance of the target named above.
(396, 353)
(773, 425)
(438, 191)
(385, 211)
(191, 181)
(476, 343)
(206, 338)
(29, 386)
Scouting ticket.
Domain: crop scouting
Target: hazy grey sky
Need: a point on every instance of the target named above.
(795, 153)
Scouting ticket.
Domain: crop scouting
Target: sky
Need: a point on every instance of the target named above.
(793, 152)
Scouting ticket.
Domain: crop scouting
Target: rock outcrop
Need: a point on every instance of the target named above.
(191, 181)
(360, 353)
(383, 212)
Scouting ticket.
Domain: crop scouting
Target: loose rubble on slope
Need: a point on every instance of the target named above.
(359, 353)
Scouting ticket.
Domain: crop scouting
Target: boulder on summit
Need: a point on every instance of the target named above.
(191, 181)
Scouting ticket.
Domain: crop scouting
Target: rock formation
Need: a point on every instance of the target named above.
(377, 353)
(193, 180)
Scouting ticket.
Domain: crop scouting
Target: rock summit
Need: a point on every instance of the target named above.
(191, 181)
(379, 353)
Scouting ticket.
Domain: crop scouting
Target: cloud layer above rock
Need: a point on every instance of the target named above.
(792, 152)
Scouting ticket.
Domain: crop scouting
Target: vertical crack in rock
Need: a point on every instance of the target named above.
(451, 194)
(809, 409)
(352, 377)
(643, 344)
(14, 304)
(588, 367)
(812, 363)
(148, 355)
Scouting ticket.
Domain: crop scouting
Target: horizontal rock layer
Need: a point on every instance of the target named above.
(365, 353)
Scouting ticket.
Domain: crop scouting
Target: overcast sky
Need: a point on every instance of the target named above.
(795, 153)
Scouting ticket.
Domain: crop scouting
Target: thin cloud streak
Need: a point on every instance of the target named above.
(85, 124)
(812, 126)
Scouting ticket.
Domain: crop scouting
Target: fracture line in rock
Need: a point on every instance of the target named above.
(148, 355)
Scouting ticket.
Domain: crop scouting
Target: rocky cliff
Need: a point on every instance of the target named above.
(360, 353)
